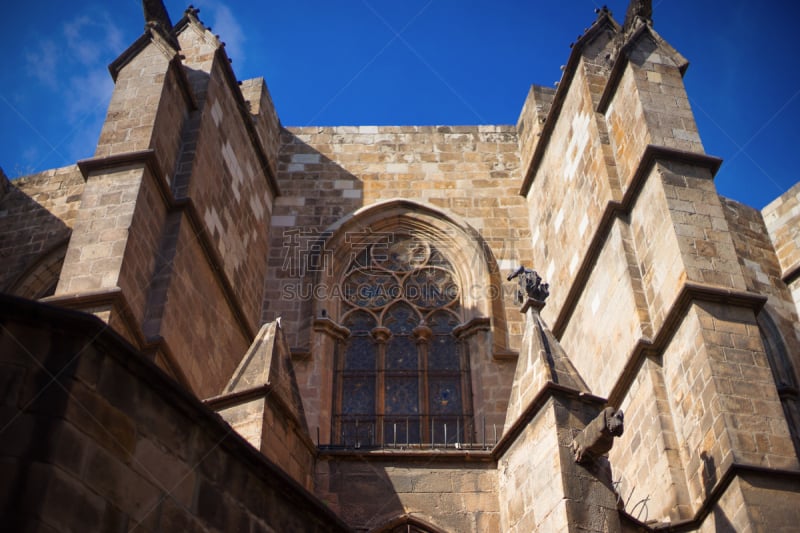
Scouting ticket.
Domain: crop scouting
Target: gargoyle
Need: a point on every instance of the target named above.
(530, 285)
(597, 437)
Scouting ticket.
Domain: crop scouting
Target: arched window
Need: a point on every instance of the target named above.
(783, 373)
(403, 376)
(406, 524)
(41, 277)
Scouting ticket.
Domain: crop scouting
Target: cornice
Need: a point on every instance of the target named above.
(147, 159)
(689, 294)
(614, 209)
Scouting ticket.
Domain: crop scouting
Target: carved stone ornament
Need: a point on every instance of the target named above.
(639, 12)
(530, 285)
(597, 438)
(156, 14)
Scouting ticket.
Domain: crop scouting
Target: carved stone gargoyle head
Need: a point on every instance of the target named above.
(597, 437)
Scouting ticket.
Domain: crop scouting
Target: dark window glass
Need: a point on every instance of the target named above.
(402, 377)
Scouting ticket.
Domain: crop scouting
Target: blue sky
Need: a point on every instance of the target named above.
(381, 62)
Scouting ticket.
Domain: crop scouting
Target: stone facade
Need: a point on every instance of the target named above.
(311, 329)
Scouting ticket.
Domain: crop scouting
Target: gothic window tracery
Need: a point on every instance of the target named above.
(403, 376)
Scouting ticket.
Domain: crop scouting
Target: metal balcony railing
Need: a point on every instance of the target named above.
(410, 432)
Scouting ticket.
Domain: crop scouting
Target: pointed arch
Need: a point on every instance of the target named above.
(433, 286)
(406, 524)
(475, 267)
(783, 372)
(41, 276)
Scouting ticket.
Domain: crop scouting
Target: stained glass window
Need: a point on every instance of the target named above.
(402, 376)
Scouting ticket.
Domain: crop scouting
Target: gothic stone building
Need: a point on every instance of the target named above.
(220, 324)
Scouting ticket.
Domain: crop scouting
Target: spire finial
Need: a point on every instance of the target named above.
(156, 14)
(638, 10)
(600, 11)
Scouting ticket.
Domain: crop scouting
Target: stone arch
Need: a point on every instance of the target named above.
(41, 277)
(406, 524)
(480, 334)
(474, 261)
(783, 372)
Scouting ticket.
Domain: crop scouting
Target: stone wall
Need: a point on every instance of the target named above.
(37, 214)
(229, 189)
(647, 454)
(132, 112)
(327, 174)
(209, 341)
(532, 467)
(441, 489)
(538, 478)
(762, 271)
(649, 285)
(112, 443)
(469, 175)
(178, 197)
(568, 195)
(781, 218)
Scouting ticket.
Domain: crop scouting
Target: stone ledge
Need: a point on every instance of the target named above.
(791, 275)
(140, 158)
(549, 390)
(429, 456)
(792, 477)
(690, 293)
(115, 299)
(651, 155)
(234, 399)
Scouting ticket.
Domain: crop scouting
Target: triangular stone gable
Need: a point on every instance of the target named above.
(542, 360)
(267, 363)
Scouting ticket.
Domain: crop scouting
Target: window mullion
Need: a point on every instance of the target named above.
(381, 336)
(422, 335)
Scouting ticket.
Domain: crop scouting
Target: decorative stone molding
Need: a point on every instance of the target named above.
(329, 327)
(472, 327)
(422, 333)
(381, 335)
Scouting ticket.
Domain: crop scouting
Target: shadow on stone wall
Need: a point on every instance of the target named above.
(35, 217)
(94, 436)
(721, 522)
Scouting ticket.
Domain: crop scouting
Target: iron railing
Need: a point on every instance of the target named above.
(410, 432)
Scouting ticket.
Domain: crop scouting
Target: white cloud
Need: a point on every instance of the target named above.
(70, 66)
(42, 63)
(86, 96)
(90, 38)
